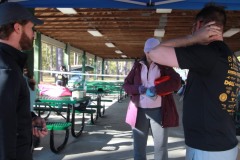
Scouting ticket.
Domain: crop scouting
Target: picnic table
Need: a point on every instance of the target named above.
(100, 108)
(109, 87)
(61, 105)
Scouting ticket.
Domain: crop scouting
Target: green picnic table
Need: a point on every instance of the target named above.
(68, 106)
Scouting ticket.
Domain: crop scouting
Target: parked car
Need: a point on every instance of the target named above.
(88, 68)
(75, 80)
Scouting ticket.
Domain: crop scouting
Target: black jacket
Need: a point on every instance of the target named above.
(15, 115)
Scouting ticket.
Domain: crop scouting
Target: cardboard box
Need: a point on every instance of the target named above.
(78, 94)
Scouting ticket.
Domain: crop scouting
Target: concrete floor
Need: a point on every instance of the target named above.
(109, 139)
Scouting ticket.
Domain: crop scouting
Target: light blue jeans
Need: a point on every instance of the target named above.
(196, 154)
(150, 119)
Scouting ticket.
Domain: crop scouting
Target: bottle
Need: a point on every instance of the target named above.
(84, 89)
(85, 86)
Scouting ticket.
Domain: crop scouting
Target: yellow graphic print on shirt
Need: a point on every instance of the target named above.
(232, 84)
(223, 97)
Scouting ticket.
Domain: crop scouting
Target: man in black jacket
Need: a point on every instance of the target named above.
(16, 35)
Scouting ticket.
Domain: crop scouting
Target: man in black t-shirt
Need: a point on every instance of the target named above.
(212, 86)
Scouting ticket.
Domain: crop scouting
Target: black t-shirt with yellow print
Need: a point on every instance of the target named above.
(210, 96)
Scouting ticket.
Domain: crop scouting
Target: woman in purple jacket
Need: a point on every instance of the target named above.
(139, 84)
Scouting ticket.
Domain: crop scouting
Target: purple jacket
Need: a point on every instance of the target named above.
(133, 81)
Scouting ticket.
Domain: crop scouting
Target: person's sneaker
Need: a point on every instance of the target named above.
(36, 142)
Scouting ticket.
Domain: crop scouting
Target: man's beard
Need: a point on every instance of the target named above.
(25, 42)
